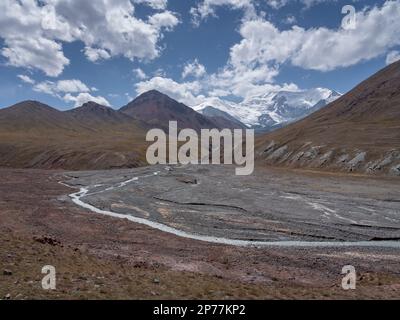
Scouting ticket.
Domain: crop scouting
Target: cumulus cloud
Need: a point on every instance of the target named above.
(96, 54)
(155, 4)
(243, 81)
(186, 92)
(277, 4)
(70, 91)
(62, 86)
(84, 97)
(164, 19)
(194, 69)
(26, 79)
(33, 31)
(208, 8)
(140, 74)
(320, 48)
(392, 57)
(31, 53)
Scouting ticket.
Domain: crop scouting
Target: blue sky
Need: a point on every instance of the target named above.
(190, 50)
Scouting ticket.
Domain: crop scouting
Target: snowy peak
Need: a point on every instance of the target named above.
(273, 109)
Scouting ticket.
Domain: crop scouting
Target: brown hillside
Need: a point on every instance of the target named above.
(34, 135)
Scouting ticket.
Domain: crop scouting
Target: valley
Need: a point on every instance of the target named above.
(202, 150)
(77, 194)
(103, 257)
(269, 208)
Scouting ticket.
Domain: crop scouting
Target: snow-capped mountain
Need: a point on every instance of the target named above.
(273, 109)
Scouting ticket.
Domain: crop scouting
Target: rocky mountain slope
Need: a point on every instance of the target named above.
(359, 132)
(223, 119)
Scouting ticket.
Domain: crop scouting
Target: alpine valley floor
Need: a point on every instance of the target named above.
(198, 232)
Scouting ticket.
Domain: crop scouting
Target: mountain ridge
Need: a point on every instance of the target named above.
(157, 109)
(269, 111)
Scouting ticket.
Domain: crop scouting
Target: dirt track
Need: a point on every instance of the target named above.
(103, 257)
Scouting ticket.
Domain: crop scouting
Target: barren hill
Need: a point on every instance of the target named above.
(92, 113)
(34, 135)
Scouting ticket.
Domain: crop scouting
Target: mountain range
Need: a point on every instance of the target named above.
(356, 132)
(157, 109)
(35, 135)
(271, 110)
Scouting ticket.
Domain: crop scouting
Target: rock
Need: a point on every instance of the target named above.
(381, 163)
(343, 159)
(298, 156)
(269, 148)
(47, 240)
(359, 158)
(286, 157)
(278, 153)
(312, 153)
(187, 180)
(396, 170)
(156, 281)
(7, 296)
(325, 158)
(7, 272)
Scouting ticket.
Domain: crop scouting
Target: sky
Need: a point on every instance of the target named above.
(67, 52)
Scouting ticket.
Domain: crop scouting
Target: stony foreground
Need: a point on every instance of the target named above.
(102, 257)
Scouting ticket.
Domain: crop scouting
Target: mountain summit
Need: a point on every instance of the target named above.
(97, 114)
(273, 110)
(157, 109)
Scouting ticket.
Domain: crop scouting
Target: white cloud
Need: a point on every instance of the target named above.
(71, 86)
(194, 69)
(187, 92)
(84, 97)
(310, 3)
(33, 31)
(392, 57)
(31, 53)
(26, 79)
(96, 54)
(155, 4)
(207, 8)
(61, 87)
(164, 19)
(140, 74)
(70, 91)
(277, 4)
(290, 19)
(320, 48)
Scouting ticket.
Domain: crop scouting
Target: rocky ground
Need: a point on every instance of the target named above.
(100, 257)
(268, 206)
